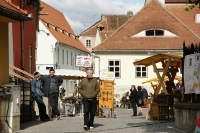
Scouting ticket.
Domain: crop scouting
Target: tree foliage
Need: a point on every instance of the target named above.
(192, 3)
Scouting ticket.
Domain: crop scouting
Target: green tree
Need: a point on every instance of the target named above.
(192, 3)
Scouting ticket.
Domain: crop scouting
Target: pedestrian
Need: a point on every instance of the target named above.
(140, 101)
(50, 89)
(89, 89)
(133, 98)
(37, 94)
(145, 97)
(179, 90)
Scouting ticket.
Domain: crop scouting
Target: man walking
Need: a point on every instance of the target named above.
(89, 89)
(50, 89)
(37, 94)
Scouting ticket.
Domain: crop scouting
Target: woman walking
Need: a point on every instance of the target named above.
(133, 99)
(140, 101)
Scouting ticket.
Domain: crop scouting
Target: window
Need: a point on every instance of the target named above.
(71, 58)
(141, 71)
(114, 66)
(154, 33)
(58, 55)
(63, 57)
(88, 43)
(30, 59)
(67, 57)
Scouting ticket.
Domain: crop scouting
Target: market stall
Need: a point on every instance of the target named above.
(163, 103)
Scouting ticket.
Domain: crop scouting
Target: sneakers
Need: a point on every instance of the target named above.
(55, 118)
(58, 118)
(85, 127)
(91, 127)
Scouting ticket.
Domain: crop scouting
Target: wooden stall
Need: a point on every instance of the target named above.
(162, 104)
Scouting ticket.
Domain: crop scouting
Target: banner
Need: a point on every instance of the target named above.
(192, 74)
(107, 75)
(83, 61)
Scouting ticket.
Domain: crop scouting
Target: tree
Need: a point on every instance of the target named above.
(192, 4)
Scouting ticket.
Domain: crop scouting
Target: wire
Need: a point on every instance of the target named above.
(7, 116)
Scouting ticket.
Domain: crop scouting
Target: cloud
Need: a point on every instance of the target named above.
(81, 14)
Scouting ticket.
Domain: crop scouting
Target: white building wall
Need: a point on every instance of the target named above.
(45, 48)
(47, 55)
(67, 57)
(128, 72)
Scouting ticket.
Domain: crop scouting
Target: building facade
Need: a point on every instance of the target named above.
(157, 28)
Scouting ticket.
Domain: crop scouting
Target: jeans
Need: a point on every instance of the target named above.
(42, 108)
(90, 107)
(53, 101)
(134, 107)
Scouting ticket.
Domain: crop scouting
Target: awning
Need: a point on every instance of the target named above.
(66, 73)
(27, 76)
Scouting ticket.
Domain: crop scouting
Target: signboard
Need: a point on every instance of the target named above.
(107, 75)
(83, 61)
(192, 74)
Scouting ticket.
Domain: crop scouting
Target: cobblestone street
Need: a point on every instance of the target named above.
(123, 123)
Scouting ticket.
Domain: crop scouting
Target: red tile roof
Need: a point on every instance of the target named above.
(110, 22)
(152, 16)
(58, 26)
(176, 1)
(11, 6)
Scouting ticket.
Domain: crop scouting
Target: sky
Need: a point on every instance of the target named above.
(81, 14)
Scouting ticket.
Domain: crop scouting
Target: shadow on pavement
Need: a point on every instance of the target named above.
(98, 125)
(30, 124)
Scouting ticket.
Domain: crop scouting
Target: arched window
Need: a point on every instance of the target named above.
(155, 33)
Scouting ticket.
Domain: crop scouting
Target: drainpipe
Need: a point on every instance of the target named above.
(22, 62)
(22, 38)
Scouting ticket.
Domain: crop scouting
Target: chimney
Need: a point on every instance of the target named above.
(130, 13)
(147, 1)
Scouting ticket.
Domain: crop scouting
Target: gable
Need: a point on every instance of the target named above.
(58, 26)
(152, 16)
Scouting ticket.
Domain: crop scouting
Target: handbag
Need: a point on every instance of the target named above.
(140, 102)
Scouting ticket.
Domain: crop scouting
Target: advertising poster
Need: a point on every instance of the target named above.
(83, 61)
(192, 73)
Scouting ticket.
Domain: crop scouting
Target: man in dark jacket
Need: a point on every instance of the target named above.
(89, 89)
(133, 99)
(50, 89)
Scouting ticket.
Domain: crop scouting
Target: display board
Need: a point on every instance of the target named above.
(106, 95)
(192, 74)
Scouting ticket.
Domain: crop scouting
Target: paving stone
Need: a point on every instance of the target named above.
(123, 123)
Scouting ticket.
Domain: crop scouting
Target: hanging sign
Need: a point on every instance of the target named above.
(107, 75)
(83, 61)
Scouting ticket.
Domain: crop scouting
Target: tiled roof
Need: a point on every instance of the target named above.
(186, 17)
(11, 6)
(152, 16)
(110, 22)
(105, 34)
(58, 26)
(176, 1)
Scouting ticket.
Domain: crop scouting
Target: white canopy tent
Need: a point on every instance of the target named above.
(66, 73)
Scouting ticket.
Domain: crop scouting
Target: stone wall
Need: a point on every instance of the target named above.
(186, 115)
